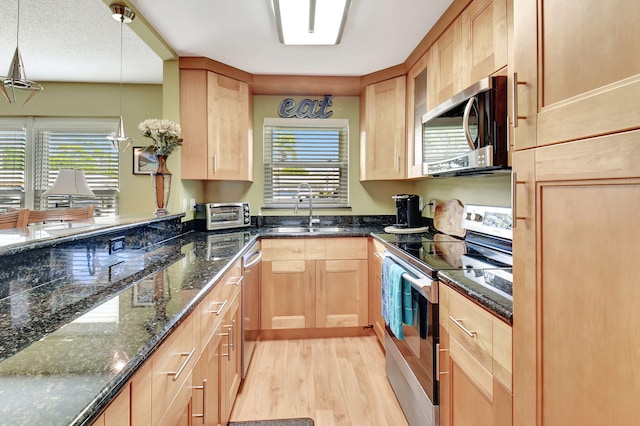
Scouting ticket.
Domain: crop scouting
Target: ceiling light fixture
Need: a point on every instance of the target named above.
(16, 77)
(124, 15)
(311, 22)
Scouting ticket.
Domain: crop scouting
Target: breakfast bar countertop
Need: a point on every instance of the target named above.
(70, 341)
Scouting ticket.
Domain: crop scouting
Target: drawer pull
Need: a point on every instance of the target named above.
(204, 402)
(221, 307)
(469, 333)
(239, 280)
(189, 355)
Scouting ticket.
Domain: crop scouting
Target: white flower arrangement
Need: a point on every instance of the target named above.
(165, 135)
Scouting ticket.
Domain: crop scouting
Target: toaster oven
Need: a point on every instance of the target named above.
(223, 215)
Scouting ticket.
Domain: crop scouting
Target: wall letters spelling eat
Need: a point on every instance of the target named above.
(306, 108)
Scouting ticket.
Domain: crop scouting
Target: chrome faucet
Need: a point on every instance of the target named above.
(301, 187)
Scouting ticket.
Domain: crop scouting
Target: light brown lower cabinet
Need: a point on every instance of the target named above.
(314, 283)
(194, 376)
(474, 364)
(376, 249)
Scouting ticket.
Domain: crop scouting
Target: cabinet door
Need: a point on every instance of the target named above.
(375, 288)
(416, 108)
(576, 305)
(484, 39)
(206, 383)
(443, 79)
(230, 360)
(287, 294)
(341, 293)
(579, 67)
(230, 144)
(382, 144)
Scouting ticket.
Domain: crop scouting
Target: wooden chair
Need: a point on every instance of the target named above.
(55, 215)
(14, 219)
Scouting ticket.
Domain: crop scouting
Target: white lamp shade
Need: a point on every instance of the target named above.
(70, 182)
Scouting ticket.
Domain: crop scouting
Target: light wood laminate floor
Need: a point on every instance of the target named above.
(335, 381)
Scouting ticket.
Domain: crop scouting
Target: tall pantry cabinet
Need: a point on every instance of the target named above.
(576, 228)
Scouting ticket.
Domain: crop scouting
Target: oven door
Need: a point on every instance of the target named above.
(410, 363)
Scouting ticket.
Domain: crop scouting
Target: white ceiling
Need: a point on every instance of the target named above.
(77, 40)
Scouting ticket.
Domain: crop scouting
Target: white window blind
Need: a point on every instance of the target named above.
(13, 143)
(33, 150)
(73, 144)
(312, 151)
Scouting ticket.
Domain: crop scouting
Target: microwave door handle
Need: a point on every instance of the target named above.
(465, 122)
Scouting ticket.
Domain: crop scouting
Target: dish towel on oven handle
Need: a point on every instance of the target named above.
(397, 303)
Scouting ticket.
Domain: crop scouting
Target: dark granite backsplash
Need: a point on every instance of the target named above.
(44, 288)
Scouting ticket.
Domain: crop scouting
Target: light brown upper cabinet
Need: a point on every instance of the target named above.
(484, 39)
(578, 69)
(382, 130)
(216, 127)
(445, 66)
(416, 108)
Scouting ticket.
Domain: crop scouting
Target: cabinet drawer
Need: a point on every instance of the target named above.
(176, 355)
(346, 248)
(471, 326)
(217, 301)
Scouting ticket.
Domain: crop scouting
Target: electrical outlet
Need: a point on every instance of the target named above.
(432, 205)
(192, 204)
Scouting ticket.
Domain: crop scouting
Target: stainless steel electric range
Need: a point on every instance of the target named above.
(483, 258)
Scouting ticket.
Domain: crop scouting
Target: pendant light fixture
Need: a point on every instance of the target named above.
(16, 77)
(124, 15)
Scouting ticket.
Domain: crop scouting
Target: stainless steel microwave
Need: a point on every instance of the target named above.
(467, 134)
(223, 215)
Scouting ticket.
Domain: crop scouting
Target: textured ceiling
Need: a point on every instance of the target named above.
(77, 40)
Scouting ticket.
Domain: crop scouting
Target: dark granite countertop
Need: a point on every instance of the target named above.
(499, 305)
(492, 301)
(70, 341)
(18, 240)
(77, 321)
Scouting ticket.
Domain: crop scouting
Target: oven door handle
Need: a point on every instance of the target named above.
(420, 282)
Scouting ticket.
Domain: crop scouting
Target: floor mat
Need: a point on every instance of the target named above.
(279, 422)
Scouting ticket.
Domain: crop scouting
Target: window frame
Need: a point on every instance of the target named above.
(343, 164)
(33, 125)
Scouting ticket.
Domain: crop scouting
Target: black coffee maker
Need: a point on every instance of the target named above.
(408, 214)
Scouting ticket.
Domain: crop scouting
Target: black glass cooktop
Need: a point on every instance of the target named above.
(444, 252)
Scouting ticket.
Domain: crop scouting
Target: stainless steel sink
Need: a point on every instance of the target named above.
(306, 229)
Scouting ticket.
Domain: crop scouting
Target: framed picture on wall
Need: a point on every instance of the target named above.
(143, 162)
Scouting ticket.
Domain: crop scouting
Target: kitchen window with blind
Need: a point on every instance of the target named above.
(306, 151)
(33, 150)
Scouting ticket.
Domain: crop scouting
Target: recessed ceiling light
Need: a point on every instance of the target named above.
(310, 22)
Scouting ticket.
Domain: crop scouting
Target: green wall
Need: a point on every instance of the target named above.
(140, 102)
(364, 198)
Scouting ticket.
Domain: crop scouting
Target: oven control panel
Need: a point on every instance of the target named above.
(490, 220)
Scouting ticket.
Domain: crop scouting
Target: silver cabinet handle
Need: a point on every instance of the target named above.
(468, 332)
(215, 163)
(204, 402)
(220, 308)
(239, 280)
(438, 372)
(228, 345)
(514, 199)
(189, 355)
(514, 99)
